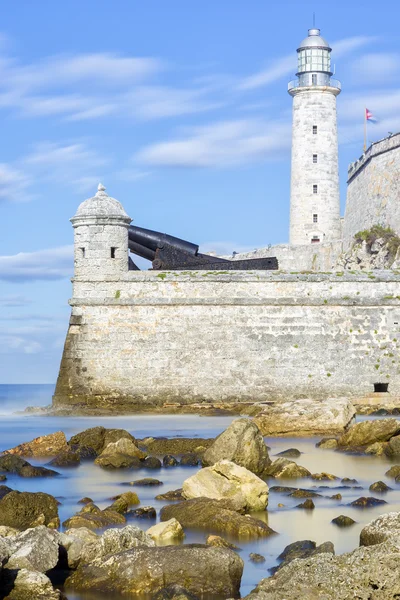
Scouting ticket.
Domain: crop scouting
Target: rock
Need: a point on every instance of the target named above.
(4, 490)
(189, 460)
(205, 571)
(23, 510)
(393, 471)
(300, 493)
(256, 558)
(171, 495)
(14, 464)
(176, 445)
(34, 549)
(365, 502)
(121, 454)
(307, 504)
(365, 573)
(305, 417)
(169, 461)
(97, 438)
(46, 445)
(336, 497)
(8, 531)
(147, 481)
(343, 521)
(3, 478)
(32, 585)
(152, 462)
(323, 477)
(85, 500)
(290, 453)
(393, 447)
(369, 432)
(227, 480)
(75, 541)
(219, 542)
(85, 452)
(302, 549)
(215, 515)
(347, 480)
(67, 458)
(144, 512)
(327, 443)
(174, 592)
(385, 528)
(379, 486)
(92, 517)
(377, 449)
(282, 467)
(166, 532)
(242, 444)
(123, 501)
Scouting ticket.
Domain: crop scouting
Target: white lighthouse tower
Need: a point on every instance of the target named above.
(314, 194)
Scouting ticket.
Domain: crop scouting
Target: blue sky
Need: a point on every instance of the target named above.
(180, 108)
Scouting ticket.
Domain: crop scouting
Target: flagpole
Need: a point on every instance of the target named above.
(365, 129)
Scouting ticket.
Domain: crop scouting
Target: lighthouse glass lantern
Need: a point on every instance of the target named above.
(314, 60)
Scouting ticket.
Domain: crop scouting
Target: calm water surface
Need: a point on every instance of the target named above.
(291, 523)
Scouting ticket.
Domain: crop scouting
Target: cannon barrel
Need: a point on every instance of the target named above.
(141, 240)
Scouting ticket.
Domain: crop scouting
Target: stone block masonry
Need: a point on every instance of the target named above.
(146, 339)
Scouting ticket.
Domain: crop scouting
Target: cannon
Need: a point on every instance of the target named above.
(167, 252)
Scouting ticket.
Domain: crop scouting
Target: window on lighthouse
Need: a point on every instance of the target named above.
(314, 79)
(315, 218)
(315, 188)
(315, 158)
(315, 129)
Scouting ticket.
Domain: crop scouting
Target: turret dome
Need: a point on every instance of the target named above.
(314, 40)
(101, 205)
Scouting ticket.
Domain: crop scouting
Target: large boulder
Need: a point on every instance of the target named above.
(384, 528)
(75, 541)
(97, 438)
(35, 549)
(305, 417)
(23, 510)
(369, 432)
(14, 464)
(241, 443)
(203, 570)
(92, 517)
(227, 480)
(121, 454)
(166, 532)
(45, 445)
(32, 585)
(287, 469)
(392, 448)
(176, 445)
(216, 516)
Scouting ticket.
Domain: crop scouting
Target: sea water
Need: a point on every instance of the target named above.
(290, 523)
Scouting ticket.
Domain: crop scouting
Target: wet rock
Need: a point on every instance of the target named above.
(68, 458)
(393, 471)
(307, 504)
(152, 462)
(144, 512)
(226, 480)
(85, 500)
(364, 573)
(242, 444)
(34, 549)
(8, 531)
(121, 454)
(376, 449)
(174, 592)
(189, 460)
(123, 501)
(327, 443)
(305, 417)
(369, 432)
(74, 541)
(14, 464)
(290, 453)
(170, 461)
(282, 467)
(323, 477)
(379, 486)
(384, 528)
(393, 446)
(23, 510)
(3, 478)
(219, 542)
(92, 517)
(4, 490)
(217, 516)
(176, 445)
(146, 481)
(32, 585)
(85, 452)
(302, 549)
(145, 571)
(343, 521)
(97, 438)
(347, 480)
(367, 502)
(304, 494)
(166, 532)
(46, 445)
(171, 495)
(256, 558)
(337, 497)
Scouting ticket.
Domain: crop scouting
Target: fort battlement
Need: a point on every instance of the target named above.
(374, 150)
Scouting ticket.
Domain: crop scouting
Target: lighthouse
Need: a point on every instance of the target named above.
(314, 192)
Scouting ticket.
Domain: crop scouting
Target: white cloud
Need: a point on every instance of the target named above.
(224, 144)
(376, 68)
(14, 184)
(52, 263)
(221, 248)
(13, 301)
(18, 344)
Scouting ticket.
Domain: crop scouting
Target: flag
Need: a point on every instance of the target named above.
(369, 116)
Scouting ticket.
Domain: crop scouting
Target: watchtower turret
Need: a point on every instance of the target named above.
(100, 237)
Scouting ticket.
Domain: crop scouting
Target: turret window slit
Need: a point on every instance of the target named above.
(113, 252)
(82, 252)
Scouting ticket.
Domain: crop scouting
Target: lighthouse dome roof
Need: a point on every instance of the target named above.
(101, 205)
(314, 40)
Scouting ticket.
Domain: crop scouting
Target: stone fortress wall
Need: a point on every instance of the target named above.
(154, 338)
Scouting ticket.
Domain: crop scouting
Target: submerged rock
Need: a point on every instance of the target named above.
(121, 454)
(323, 477)
(171, 495)
(343, 521)
(169, 461)
(167, 531)
(385, 528)
(67, 458)
(302, 549)
(204, 570)
(98, 438)
(305, 417)
(393, 471)
(282, 467)
(45, 445)
(23, 510)
(290, 453)
(14, 464)
(242, 444)
(327, 443)
(123, 501)
(256, 558)
(177, 446)
(307, 504)
(367, 502)
(379, 486)
(92, 517)
(217, 516)
(174, 592)
(226, 480)
(393, 446)
(146, 481)
(144, 512)
(219, 542)
(152, 462)
(189, 460)
(369, 432)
